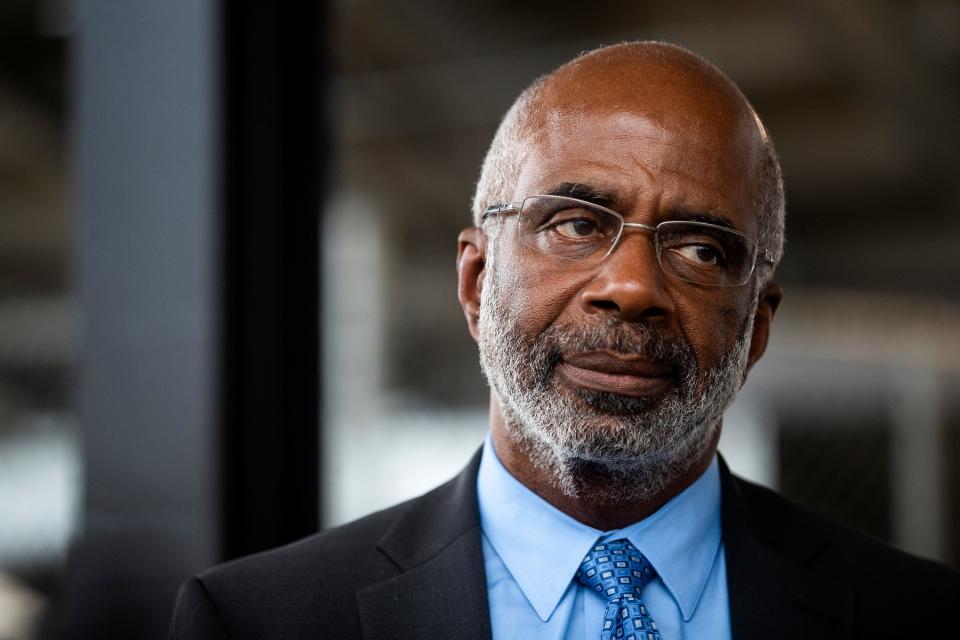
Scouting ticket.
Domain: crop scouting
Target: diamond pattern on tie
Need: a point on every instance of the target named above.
(619, 572)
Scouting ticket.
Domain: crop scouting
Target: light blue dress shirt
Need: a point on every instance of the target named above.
(531, 552)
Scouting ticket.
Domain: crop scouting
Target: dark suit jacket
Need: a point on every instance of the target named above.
(416, 571)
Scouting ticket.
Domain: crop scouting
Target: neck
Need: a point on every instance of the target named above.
(602, 514)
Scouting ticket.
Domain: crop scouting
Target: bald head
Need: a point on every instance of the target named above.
(661, 83)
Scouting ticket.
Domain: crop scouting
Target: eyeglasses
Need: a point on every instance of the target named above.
(572, 231)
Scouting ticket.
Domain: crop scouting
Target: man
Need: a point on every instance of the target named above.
(618, 280)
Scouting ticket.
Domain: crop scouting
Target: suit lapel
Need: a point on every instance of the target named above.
(441, 590)
(771, 594)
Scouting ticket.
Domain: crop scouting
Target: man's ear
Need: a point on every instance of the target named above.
(769, 301)
(471, 263)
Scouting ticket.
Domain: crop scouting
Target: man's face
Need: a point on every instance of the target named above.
(620, 368)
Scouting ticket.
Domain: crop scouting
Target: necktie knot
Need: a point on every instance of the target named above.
(619, 572)
(615, 569)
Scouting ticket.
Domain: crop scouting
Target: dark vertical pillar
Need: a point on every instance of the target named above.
(273, 143)
(197, 164)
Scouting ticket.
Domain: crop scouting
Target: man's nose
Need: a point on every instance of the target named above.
(629, 284)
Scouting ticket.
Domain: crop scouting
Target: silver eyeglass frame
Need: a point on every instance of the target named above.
(507, 208)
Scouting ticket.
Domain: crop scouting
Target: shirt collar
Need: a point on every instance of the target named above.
(542, 547)
(682, 538)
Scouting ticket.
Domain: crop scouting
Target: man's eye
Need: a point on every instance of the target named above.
(702, 254)
(576, 228)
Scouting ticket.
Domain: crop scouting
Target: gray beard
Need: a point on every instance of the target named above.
(610, 448)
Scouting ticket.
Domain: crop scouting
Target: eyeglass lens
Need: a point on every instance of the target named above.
(573, 231)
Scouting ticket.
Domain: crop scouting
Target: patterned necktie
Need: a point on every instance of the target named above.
(618, 572)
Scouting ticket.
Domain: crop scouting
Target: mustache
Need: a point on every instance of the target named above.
(634, 339)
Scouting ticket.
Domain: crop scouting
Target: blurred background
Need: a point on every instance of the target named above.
(227, 293)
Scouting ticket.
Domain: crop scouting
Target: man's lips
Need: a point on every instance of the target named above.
(625, 375)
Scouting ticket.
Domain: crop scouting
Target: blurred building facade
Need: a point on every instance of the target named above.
(39, 459)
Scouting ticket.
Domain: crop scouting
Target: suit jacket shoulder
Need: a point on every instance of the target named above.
(791, 572)
(285, 591)
(352, 581)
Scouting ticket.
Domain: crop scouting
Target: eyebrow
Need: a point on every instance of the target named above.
(702, 216)
(585, 192)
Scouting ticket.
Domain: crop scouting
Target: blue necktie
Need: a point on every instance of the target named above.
(618, 572)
